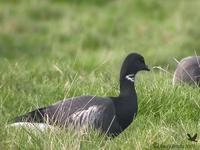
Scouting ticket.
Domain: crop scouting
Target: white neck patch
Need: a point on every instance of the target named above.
(130, 77)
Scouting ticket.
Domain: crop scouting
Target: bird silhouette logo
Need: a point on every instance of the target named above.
(192, 138)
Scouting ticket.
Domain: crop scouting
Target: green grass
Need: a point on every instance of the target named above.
(50, 50)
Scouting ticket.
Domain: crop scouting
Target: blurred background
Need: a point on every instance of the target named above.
(59, 30)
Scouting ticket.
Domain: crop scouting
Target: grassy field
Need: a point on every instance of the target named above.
(50, 50)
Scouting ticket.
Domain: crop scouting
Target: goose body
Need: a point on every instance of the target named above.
(110, 115)
(188, 71)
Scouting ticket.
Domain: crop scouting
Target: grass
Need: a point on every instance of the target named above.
(53, 50)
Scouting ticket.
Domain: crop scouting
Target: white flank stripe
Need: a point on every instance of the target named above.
(34, 126)
(85, 117)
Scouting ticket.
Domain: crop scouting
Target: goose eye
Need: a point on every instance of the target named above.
(142, 61)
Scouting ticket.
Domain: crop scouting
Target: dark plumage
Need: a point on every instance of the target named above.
(110, 115)
(188, 71)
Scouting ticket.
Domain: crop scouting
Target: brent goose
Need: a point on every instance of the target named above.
(188, 71)
(109, 115)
